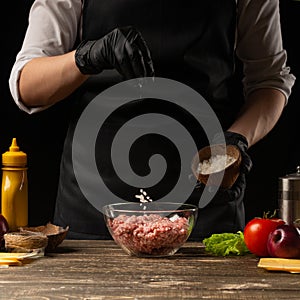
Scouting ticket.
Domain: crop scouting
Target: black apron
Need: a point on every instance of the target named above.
(191, 42)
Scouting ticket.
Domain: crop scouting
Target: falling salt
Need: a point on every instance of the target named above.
(144, 198)
(140, 86)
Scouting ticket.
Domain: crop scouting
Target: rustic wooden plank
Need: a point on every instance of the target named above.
(101, 270)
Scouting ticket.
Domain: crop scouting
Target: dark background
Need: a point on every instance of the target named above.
(41, 135)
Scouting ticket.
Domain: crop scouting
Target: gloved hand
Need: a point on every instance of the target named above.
(232, 138)
(228, 204)
(230, 201)
(225, 211)
(123, 49)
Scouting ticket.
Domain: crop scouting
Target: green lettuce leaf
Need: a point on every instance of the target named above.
(222, 244)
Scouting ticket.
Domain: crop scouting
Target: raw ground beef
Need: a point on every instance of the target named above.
(149, 234)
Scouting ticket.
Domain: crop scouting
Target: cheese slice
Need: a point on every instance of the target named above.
(10, 262)
(280, 264)
(17, 255)
(15, 258)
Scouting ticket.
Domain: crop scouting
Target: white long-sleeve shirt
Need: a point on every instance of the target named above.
(54, 26)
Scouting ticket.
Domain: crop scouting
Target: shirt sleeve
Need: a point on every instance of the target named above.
(52, 30)
(259, 46)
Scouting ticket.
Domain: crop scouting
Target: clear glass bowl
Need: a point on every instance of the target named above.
(152, 229)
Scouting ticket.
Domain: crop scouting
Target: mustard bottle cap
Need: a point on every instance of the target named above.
(14, 157)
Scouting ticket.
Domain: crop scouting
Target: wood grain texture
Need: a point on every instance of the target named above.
(101, 270)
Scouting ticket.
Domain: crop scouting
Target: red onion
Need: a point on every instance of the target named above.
(284, 242)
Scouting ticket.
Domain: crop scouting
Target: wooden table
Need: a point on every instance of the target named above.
(101, 270)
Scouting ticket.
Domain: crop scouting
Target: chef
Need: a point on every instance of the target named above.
(229, 51)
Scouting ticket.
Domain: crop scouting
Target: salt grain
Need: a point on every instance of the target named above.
(144, 198)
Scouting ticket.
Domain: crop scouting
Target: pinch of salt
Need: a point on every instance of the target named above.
(142, 198)
(215, 163)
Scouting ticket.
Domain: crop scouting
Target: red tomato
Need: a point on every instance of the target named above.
(256, 233)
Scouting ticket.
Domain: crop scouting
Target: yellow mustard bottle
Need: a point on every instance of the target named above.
(14, 197)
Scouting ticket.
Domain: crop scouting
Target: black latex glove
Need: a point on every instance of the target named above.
(240, 141)
(236, 192)
(238, 188)
(225, 212)
(123, 49)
